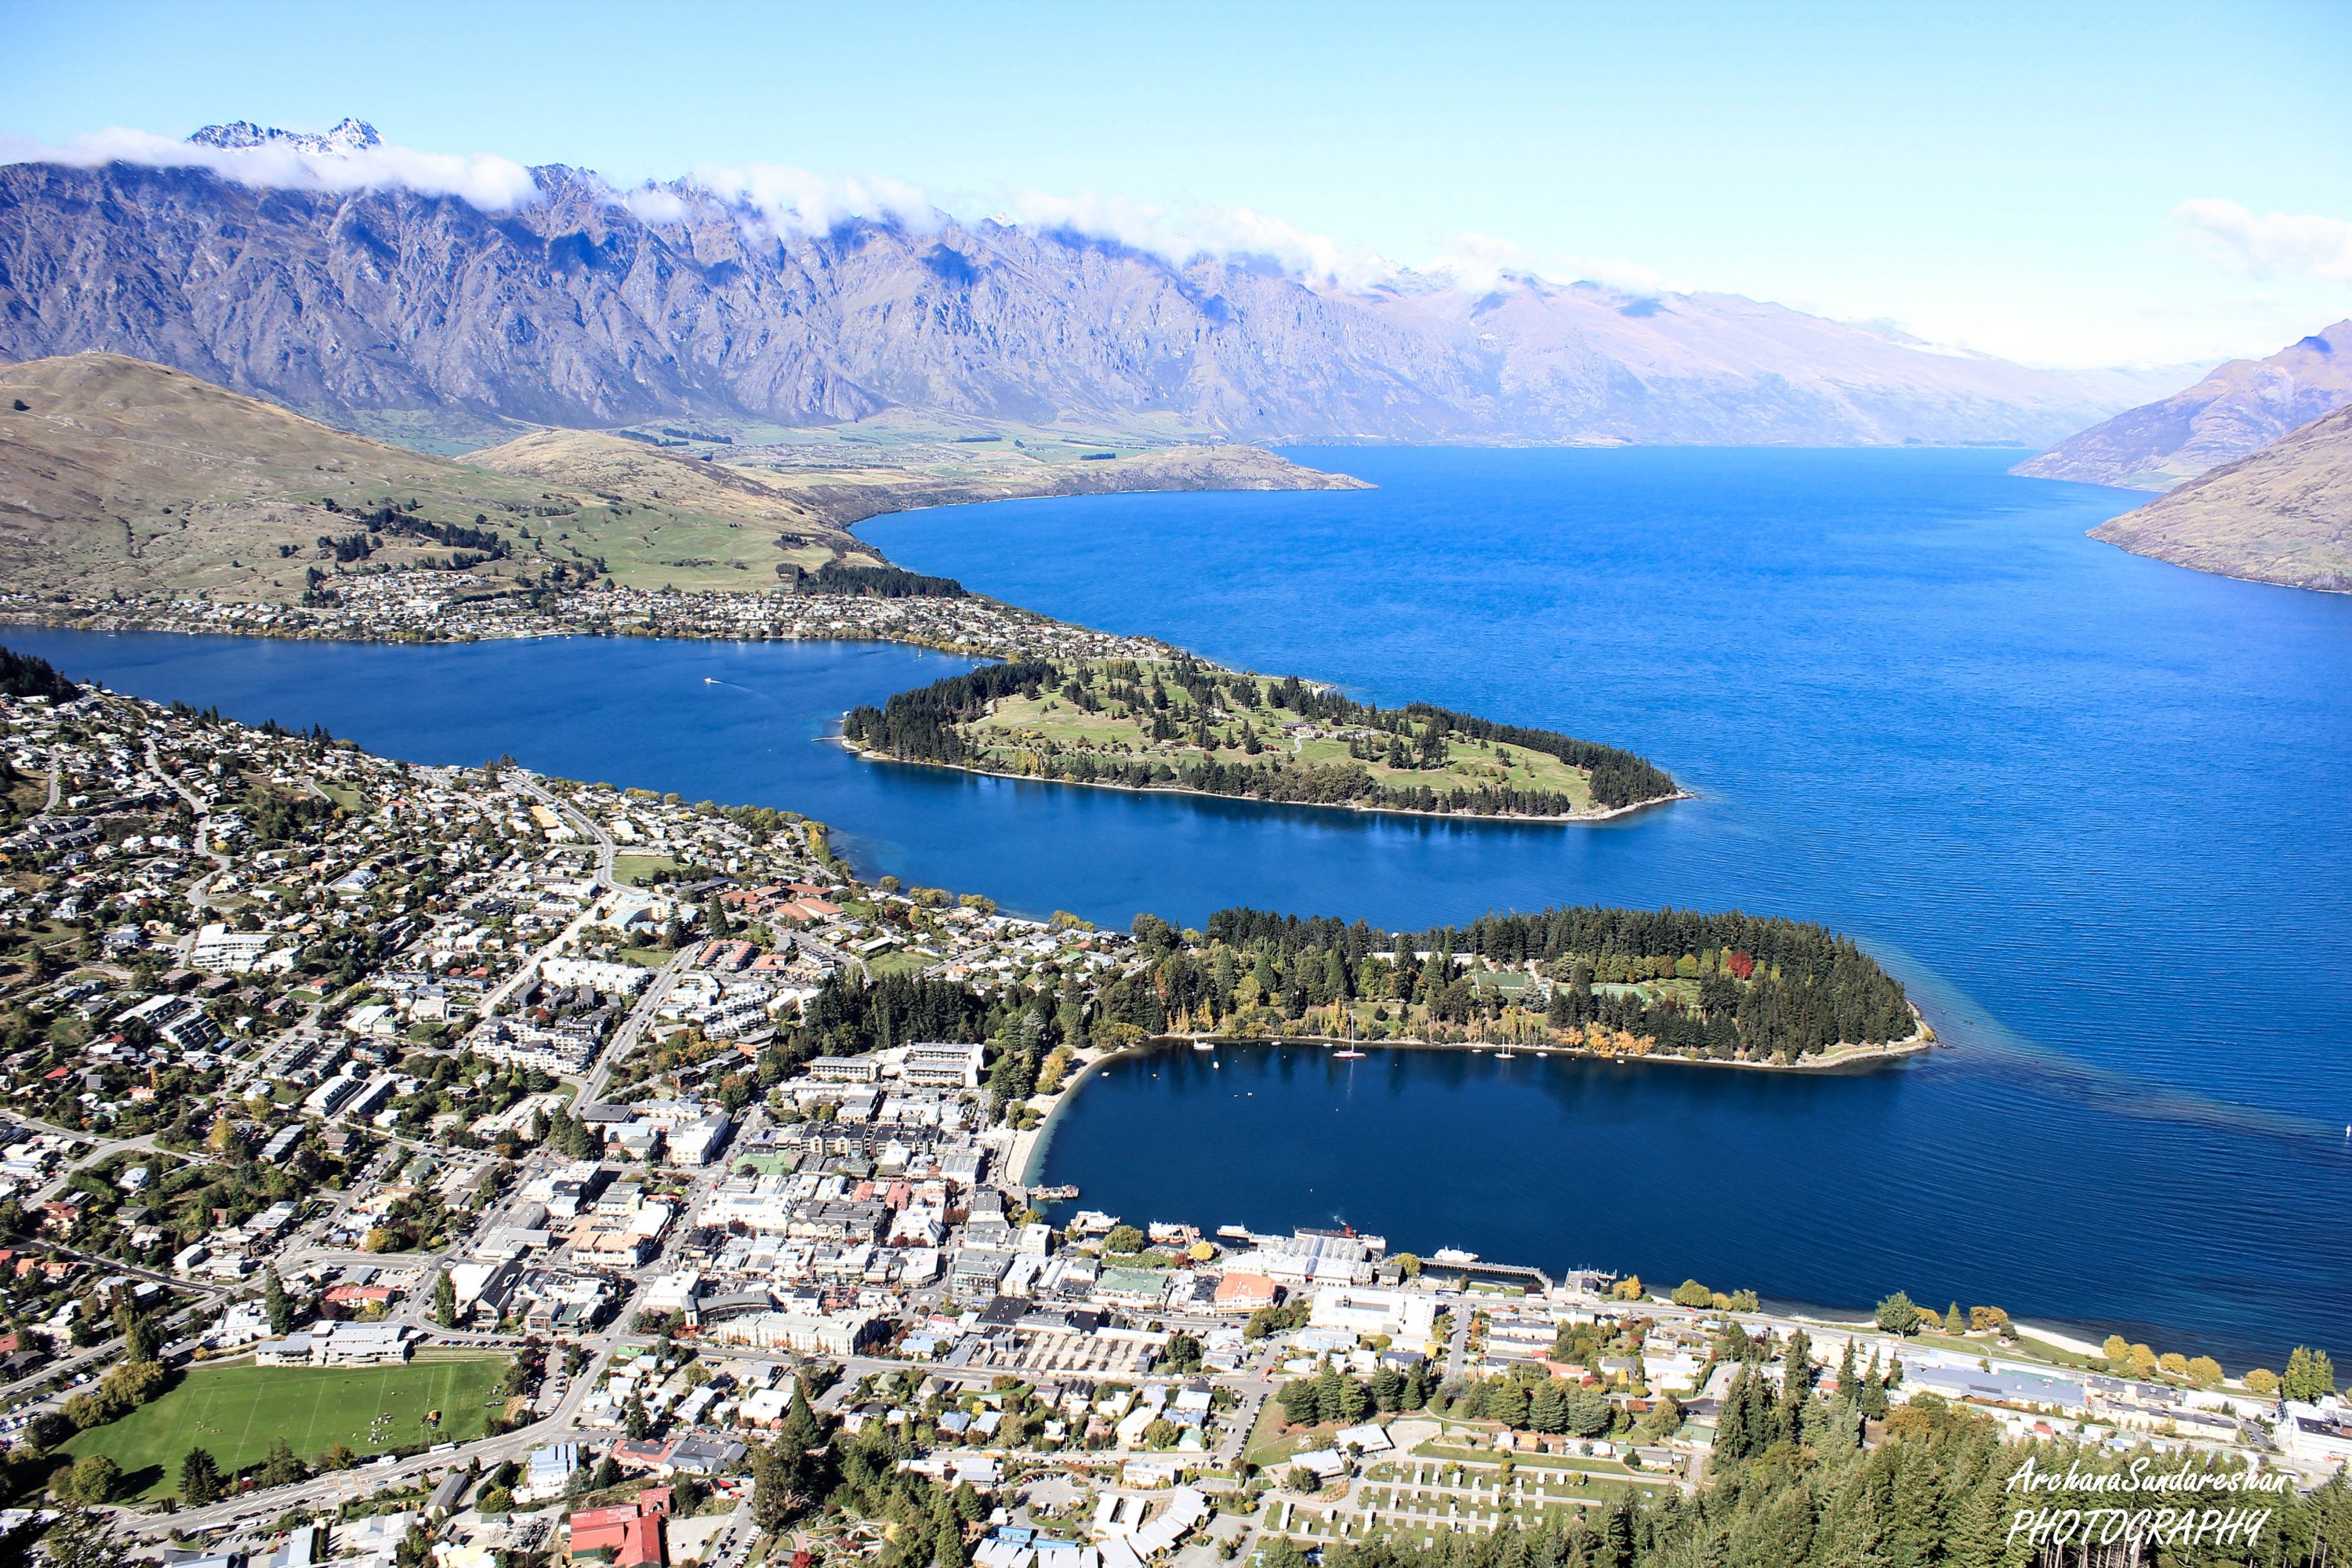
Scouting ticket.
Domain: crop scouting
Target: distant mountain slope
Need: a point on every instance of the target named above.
(2282, 515)
(571, 309)
(2242, 406)
(116, 474)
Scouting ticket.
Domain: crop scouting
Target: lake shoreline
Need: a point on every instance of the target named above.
(1830, 1060)
(1567, 820)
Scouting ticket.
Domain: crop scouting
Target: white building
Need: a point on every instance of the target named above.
(1409, 1317)
(833, 1333)
(944, 1066)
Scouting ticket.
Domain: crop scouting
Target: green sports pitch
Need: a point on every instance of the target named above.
(235, 1413)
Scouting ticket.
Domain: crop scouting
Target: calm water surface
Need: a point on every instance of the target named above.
(2089, 807)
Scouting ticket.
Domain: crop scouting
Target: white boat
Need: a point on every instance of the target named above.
(1347, 1055)
(1205, 1045)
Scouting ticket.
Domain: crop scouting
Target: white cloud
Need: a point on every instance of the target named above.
(2273, 244)
(652, 204)
(1180, 236)
(491, 183)
(1478, 262)
(793, 202)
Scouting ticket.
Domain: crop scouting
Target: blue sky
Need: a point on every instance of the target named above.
(2012, 178)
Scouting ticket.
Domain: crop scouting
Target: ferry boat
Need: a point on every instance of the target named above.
(1053, 1195)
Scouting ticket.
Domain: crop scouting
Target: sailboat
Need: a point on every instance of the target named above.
(1348, 1052)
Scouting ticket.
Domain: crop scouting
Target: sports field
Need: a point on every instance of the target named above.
(236, 1411)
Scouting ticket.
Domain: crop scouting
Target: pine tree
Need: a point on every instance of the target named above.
(274, 1303)
(774, 1503)
(141, 1343)
(1617, 1535)
(282, 1467)
(1734, 1438)
(1545, 1410)
(200, 1479)
(80, 1539)
(1974, 1537)
(1796, 1387)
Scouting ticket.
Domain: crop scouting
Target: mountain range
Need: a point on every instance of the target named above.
(2238, 409)
(370, 305)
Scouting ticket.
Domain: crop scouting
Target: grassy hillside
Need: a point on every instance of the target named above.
(2282, 515)
(117, 476)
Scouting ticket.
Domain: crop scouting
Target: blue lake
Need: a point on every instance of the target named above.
(2089, 807)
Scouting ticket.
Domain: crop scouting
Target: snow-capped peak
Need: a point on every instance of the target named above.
(348, 135)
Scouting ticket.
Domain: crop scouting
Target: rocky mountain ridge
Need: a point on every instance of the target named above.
(347, 135)
(2238, 409)
(573, 310)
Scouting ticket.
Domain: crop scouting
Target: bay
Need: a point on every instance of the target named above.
(2087, 806)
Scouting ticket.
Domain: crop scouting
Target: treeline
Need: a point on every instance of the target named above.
(919, 726)
(1619, 777)
(1764, 986)
(850, 1015)
(1332, 1396)
(28, 675)
(1931, 1495)
(485, 543)
(875, 582)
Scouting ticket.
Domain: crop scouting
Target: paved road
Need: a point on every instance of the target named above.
(496, 996)
(632, 1028)
(197, 889)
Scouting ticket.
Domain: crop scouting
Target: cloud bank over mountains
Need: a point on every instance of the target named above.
(491, 183)
(795, 204)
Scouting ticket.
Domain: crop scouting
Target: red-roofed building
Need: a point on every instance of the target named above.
(343, 1300)
(642, 1453)
(632, 1531)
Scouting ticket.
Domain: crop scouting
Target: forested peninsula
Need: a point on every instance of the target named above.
(1188, 725)
(1724, 988)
